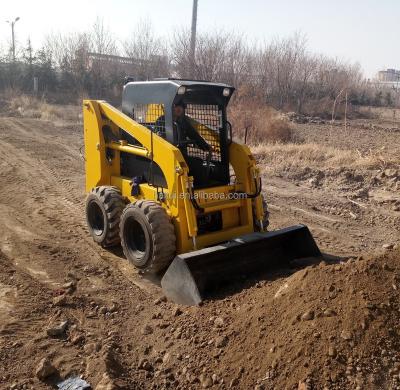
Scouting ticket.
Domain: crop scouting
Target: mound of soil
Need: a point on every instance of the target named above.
(316, 326)
(354, 182)
(333, 326)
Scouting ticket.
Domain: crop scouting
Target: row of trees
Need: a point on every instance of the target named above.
(282, 73)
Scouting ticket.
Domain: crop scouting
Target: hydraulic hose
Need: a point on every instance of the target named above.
(193, 200)
(257, 192)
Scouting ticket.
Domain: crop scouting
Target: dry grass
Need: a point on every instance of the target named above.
(294, 156)
(383, 113)
(263, 124)
(32, 107)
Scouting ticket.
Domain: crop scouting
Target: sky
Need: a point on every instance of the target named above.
(363, 31)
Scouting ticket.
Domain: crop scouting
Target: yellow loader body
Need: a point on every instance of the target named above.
(237, 214)
(180, 196)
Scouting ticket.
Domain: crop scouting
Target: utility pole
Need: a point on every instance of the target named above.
(193, 37)
(12, 23)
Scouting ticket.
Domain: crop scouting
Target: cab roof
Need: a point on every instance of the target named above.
(165, 91)
(188, 82)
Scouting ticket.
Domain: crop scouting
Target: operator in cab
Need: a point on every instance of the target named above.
(186, 132)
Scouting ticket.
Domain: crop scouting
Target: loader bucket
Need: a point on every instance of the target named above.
(193, 275)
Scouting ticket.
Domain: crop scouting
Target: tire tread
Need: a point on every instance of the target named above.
(162, 235)
(113, 204)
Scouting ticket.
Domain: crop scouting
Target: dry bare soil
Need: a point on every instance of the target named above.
(327, 325)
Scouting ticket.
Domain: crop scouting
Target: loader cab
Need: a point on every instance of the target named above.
(199, 128)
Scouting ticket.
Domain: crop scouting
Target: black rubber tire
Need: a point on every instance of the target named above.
(147, 236)
(256, 223)
(104, 206)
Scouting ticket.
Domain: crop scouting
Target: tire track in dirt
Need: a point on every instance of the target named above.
(44, 235)
(57, 199)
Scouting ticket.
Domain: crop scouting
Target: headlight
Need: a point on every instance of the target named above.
(181, 90)
(226, 92)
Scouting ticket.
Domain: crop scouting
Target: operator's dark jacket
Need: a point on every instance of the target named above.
(185, 131)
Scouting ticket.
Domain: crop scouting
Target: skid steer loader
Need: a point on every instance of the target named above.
(166, 180)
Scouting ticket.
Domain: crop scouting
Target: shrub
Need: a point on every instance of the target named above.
(262, 124)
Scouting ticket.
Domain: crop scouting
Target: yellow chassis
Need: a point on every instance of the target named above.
(237, 214)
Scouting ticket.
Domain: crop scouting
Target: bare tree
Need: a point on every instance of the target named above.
(103, 41)
(219, 56)
(238, 65)
(70, 53)
(147, 51)
(281, 72)
(101, 65)
(180, 53)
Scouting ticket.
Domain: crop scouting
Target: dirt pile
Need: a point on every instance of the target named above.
(369, 177)
(300, 118)
(316, 120)
(313, 326)
(331, 326)
(357, 183)
(372, 126)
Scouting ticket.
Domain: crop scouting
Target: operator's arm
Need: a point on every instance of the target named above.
(159, 126)
(195, 136)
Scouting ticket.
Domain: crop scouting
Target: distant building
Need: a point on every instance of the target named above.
(389, 75)
(126, 63)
